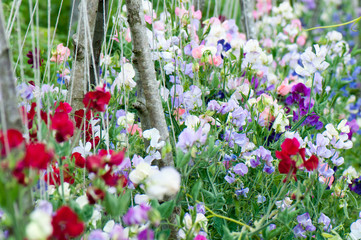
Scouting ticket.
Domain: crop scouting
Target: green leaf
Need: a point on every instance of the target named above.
(111, 205)
(124, 202)
(166, 209)
(87, 212)
(196, 188)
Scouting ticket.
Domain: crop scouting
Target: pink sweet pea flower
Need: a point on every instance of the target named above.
(132, 129)
(197, 52)
(216, 60)
(128, 38)
(62, 53)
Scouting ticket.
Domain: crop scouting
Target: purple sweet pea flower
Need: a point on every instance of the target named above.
(355, 186)
(200, 208)
(240, 169)
(136, 215)
(255, 162)
(192, 98)
(213, 106)
(176, 93)
(239, 116)
(268, 169)
(299, 231)
(146, 234)
(230, 178)
(306, 222)
(323, 219)
(242, 191)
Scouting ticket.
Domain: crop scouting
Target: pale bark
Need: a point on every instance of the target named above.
(99, 33)
(8, 97)
(149, 104)
(82, 52)
(247, 18)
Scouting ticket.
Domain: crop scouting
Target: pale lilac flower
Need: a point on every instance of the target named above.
(261, 199)
(97, 235)
(176, 93)
(230, 178)
(117, 233)
(240, 169)
(242, 191)
(306, 222)
(299, 231)
(213, 106)
(186, 139)
(192, 98)
(337, 160)
(323, 219)
(201, 208)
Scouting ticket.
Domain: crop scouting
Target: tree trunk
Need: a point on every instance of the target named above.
(8, 98)
(149, 104)
(99, 33)
(82, 52)
(247, 18)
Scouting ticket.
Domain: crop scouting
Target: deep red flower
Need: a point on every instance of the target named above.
(35, 59)
(79, 160)
(289, 154)
(66, 224)
(63, 107)
(19, 174)
(37, 156)
(116, 159)
(54, 176)
(97, 99)
(94, 163)
(79, 116)
(63, 125)
(111, 179)
(94, 195)
(13, 138)
(31, 115)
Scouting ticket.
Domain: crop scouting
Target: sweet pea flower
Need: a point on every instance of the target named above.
(61, 54)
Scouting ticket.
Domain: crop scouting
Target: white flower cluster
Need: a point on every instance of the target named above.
(39, 227)
(200, 222)
(157, 183)
(313, 62)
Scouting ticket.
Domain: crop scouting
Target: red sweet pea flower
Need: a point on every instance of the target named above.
(63, 125)
(97, 99)
(290, 157)
(54, 176)
(66, 224)
(116, 159)
(111, 179)
(94, 163)
(79, 160)
(13, 138)
(37, 156)
(94, 195)
(63, 107)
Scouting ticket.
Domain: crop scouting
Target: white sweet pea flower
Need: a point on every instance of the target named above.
(125, 77)
(312, 62)
(281, 121)
(126, 120)
(334, 36)
(141, 172)
(192, 121)
(82, 201)
(141, 199)
(40, 227)
(355, 230)
(109, 226)
(66, 190)
(342, 126)
(165, 182)
(154, 136)
(84, 150)
(350, 173)
(331, 131)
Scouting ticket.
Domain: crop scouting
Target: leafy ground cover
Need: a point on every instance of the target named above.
(265, 132)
